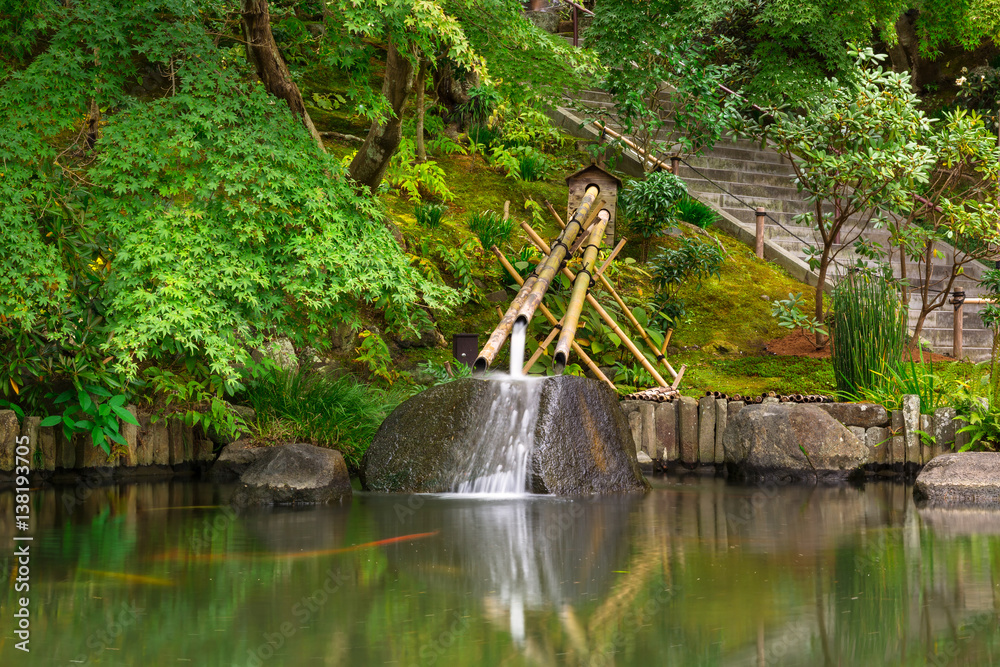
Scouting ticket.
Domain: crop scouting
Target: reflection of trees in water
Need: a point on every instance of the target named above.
(696, 573)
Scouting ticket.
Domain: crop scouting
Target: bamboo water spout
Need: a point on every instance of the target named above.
(533, 289)
(548, 268)
(580, 287)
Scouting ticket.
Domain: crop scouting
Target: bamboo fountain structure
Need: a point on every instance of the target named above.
(583, 233)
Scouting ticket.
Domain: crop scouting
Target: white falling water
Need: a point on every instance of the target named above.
(517, 348)
(500, 453)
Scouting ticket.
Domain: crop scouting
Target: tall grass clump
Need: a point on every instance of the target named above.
(306, 406)
(429, 215)
(532, 166)
(692, 211)
(869, 333)
(491, 228)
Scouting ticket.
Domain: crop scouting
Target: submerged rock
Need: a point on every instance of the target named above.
(970, 479)
(789, 442)
(582, 443)
(294, 474)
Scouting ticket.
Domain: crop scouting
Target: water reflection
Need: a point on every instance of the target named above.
(695, 573)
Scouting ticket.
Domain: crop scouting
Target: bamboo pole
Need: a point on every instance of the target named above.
(639, 356)
(582, 237)
(530, 295)
(611, 257)
(594, 368)
(554, 259)
(581, 286)
(541, 348)
(660, 354)
(499, 335)
(555, 215)
(641, 153)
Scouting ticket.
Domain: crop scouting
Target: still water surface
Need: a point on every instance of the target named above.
(697, 572)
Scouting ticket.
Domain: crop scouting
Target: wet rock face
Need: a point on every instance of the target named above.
(968, 479)
(422, 442)
(294, 474)
(582, 441)
(791, 442)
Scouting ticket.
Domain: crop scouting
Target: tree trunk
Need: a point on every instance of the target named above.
(421, 85)
(263, 54)
(451, 91)
(905, 54)
(824, 266)
(383, 138)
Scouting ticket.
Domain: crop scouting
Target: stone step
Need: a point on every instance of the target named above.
(711, 161)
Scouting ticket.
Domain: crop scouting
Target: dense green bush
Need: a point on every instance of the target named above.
(869, 332)
(196, 222)
(650, 206)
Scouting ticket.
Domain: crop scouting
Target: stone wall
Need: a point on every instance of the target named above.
(164, 448)
(689, 431)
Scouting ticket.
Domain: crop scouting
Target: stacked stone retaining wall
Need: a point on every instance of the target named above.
(689, 431)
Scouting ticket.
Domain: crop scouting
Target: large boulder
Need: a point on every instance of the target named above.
(582, 443)
(294, 474)
(791, 442)
(969, 479)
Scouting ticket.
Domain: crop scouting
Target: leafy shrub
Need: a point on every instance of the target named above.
(307, 406)
(651, 206)
(491, 228)
(416, 179)
(429, 215)
(694, 212)
(521, 162)
(790, 316)
(691, 262)
(870, 332)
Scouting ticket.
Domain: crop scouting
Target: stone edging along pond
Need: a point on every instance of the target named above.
(685, 432)
(689, 431)
(165, 448)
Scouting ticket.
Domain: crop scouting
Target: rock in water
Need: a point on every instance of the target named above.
(582, 443)
(791, 442)
(293, 474)
(968, 479)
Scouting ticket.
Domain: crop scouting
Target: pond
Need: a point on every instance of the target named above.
(696, 572)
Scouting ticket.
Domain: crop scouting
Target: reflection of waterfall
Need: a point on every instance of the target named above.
(499, 456)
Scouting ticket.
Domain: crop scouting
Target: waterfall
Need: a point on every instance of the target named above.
(500, 452)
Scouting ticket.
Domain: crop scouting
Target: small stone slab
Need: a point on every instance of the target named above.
(294, 474)
(864, 415)
(969, 479)
(233, 461)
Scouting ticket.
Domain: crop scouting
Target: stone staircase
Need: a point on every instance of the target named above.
(738, 175)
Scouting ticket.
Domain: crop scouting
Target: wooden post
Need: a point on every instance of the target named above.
(576, 26)
(675, 164)
(958, 299)
(760, 232)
